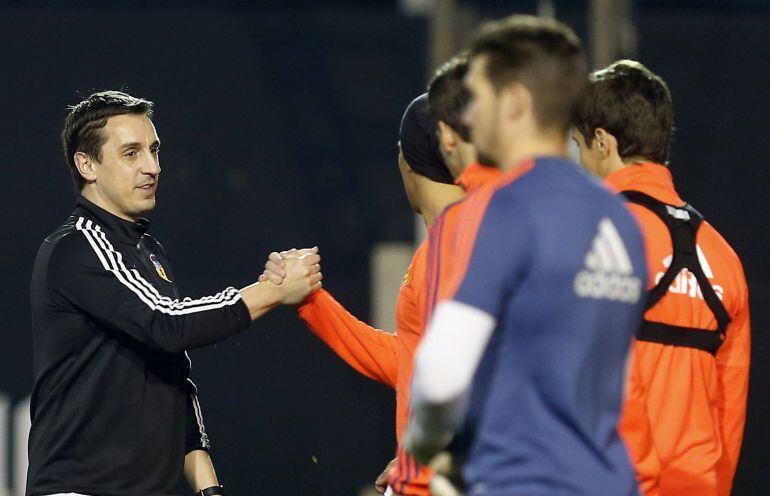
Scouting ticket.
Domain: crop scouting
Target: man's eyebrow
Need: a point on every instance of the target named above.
(136, 144)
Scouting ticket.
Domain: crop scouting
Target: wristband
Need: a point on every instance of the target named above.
(212, 491)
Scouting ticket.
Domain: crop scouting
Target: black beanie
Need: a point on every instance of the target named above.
(419, 142)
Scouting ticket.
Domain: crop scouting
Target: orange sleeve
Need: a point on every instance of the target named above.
(370, 351)
(733, 359)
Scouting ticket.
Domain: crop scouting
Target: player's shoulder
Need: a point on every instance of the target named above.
(714, 244)
(66, 238)
(72, 244)
(420, 254)
(61, 232)
(556, 188)
(510, 187)
(501, 214)
(546, 180)
(451, 212)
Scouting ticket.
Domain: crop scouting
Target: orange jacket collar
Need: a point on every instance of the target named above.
(475, 176)
(650, 178)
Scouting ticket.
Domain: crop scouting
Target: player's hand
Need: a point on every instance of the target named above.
(442, 463)
(275, 267)
(303, 277)
(423, 450)
(381, 484)
(440, 486)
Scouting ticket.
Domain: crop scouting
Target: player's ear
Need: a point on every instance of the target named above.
(515, 100)
(605, 143)
(402, 163)
(85, 166)
(446, 136)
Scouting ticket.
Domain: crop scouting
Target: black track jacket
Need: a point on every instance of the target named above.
(113, 410)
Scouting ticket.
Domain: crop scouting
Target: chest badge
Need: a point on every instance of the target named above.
(407, 277)
(159, 268)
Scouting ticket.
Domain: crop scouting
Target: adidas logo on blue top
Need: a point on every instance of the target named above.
(608, 272)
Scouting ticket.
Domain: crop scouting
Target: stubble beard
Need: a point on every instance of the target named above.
(485, 159)
(145, 206)
(485, 154)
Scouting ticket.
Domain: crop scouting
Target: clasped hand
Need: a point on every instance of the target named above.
(297, 272)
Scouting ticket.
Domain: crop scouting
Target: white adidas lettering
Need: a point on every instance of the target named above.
(608, 272)
(685, 283)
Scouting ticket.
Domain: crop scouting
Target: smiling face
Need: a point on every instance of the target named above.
(125, 180)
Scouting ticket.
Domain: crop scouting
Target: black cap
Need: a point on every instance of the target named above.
(419, 142)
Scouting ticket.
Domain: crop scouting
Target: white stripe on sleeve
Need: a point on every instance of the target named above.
(112, 261)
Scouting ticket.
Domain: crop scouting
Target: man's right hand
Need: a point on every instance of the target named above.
(301, 270)
(275, 267)
(300, 275)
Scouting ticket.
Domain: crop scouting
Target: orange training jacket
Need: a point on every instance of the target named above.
(439, 260)
(685, 410)
(380, 355)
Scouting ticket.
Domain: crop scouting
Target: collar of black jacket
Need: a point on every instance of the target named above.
(125, 230)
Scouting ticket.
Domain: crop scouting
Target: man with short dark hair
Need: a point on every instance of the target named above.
(684, 416)
(113, 410)
(448, 100)
(530, 344)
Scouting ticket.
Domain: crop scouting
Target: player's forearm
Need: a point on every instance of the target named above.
(369, 350)
(260, 298)
(199, 470)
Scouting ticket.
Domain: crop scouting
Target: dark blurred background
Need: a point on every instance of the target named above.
(278, 122)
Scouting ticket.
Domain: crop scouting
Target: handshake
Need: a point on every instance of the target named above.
(297, 273)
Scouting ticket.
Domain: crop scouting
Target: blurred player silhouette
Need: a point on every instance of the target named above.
(684, 417)
(529, 347)
(380, 355)
(448, 100)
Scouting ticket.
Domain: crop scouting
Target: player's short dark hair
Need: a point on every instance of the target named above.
(447, 95)
(83, 125)
(542, 54)
(634, 105)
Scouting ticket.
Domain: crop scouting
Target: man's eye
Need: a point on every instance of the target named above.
(131, 153)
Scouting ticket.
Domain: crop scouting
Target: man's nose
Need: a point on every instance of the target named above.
(151, 166)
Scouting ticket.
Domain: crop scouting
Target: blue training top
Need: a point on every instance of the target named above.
(559, 262)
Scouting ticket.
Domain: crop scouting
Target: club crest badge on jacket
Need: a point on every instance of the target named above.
(159, 268)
